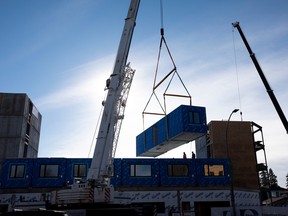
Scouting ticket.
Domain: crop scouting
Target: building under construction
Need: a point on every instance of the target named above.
(225, 170)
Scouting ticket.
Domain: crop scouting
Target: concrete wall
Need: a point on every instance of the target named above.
(20, 125)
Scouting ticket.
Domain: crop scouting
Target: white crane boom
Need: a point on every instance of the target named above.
(118, 86)
(94, 188)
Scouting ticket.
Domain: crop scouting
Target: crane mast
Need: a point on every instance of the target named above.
(94, 188)
(118, 86)
(263, 78)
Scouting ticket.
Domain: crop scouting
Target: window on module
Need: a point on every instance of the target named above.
(194, 117)
(140, 170)
(80, 170)
(213, 170)
(49, 170)
(17, 171)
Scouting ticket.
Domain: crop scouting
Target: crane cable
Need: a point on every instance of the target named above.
(160, 49)
(161, 13)
(237, 75)
(172, 73)
(97, 126)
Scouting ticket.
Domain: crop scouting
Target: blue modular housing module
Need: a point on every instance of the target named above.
(52, 173)
(182, 125)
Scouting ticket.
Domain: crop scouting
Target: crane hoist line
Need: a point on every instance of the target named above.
(159, 82)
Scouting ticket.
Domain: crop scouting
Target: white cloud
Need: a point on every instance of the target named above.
(70, 112)
(83, 82)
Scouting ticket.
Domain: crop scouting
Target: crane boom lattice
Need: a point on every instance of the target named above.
(121, 105)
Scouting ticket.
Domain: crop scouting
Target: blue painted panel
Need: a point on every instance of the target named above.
(21, 182)
(168, 180)
(116, 179)
(180, 121)
(175, 122)
(161, 131)
(128, 180)
(203, 180)
(193, 127)
(140, 144)
(47, 182)
(148, 144)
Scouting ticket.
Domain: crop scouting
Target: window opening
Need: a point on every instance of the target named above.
(155, 134)
(194, 117)
(17, 171)
(140, 170)
(49, 170)
(30, 111)
(25, 151)
(213, 170)
(80, 170)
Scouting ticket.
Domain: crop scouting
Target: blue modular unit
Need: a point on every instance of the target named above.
(130, 173)
(16, 173)
(182, 125)
(49, 172)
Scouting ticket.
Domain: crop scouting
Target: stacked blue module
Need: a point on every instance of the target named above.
(182, 125)
(46, 174)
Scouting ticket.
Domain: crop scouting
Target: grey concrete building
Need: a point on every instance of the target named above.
(20, 124)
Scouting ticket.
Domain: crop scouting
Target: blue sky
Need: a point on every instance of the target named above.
(61, 52)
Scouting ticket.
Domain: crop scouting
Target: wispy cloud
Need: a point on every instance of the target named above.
(84, 82)
(70, 111)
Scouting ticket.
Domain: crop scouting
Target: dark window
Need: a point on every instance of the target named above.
(25, 151)
(177, 170)
(213, 170)
(155, 135)
(209, 151)
(142, 170)
(17, 171)
(28, 130)
(80, 170)
(194, 117)
(30, 112)
(49, 170)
